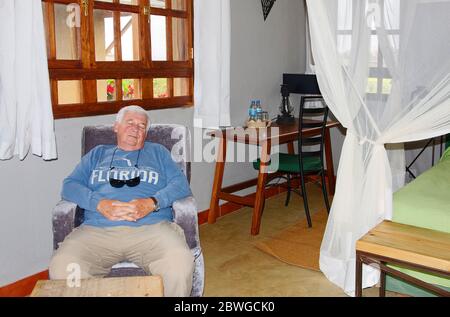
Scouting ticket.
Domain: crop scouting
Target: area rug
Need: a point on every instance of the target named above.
(298, 245)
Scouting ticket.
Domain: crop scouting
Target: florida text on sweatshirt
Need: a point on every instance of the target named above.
(160, 177)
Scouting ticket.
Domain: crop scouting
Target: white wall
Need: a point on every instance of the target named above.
(261, 52)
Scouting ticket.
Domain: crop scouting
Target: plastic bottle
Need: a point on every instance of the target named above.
(258, 110)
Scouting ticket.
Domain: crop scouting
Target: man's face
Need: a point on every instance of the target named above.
(132, 131)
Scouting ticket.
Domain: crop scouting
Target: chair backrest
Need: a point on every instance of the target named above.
(312, 118)
(176, 138)
(307, 86)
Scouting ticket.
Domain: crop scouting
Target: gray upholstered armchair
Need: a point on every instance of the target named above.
(176, 138)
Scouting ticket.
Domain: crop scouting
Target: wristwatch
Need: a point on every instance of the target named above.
(156, 203)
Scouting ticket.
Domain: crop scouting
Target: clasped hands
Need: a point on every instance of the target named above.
(134, 210)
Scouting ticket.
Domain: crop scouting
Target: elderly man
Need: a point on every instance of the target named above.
(127, 192)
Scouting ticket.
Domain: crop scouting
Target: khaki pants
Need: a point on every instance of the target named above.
(159, 249)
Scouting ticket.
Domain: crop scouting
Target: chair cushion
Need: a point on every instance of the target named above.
(289, 163)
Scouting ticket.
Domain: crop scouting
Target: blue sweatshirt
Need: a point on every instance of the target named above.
(160, 178)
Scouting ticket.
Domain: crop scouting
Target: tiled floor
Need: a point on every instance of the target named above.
(234, 267)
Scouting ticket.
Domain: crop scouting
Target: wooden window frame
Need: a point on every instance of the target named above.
(88, 70)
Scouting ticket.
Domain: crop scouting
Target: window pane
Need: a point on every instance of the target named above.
(372, 85)
(133, 2)
(129, 26)
(106, 90)
(344, 46)
(158, 3)
(179, 39)
(392, 14)
(179, 5)
(158, 38)
(373, 58)
(131, 89)
(104, 35)
(387, 86)
(394, 41)
(160, 88)
(180, 87)
(67, 33)
(69, 91)
(344, 15)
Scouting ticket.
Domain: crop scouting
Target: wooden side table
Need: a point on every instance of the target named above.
(130, 286)
(413, 247)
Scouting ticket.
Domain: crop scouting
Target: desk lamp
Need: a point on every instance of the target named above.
(285, 107)
(303, 84)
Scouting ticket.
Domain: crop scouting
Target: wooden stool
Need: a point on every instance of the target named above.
(409, 246)
(131, 286)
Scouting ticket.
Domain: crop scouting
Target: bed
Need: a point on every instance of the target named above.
(425, 202)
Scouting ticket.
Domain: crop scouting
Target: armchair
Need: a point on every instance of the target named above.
(176, 138)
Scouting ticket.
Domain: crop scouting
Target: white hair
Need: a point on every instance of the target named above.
(136, 109)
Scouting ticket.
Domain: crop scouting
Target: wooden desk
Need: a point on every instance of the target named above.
(264, 138)
(395, 243)
(131, 286)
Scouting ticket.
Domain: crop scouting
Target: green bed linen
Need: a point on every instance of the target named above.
(425, 202)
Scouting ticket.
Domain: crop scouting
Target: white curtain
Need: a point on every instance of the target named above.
(212, 28)
(384, 70)
(310, 64)
(26, 118)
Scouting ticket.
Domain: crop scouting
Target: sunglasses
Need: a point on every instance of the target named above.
(118, 183)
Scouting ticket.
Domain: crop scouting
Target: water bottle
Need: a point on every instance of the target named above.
(258, 110)
(252, 111)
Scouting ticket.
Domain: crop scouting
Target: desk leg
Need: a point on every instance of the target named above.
(329, 160)
(382, 282)
(218, 178)
(259, 197)
(358, 276)
(290, 147)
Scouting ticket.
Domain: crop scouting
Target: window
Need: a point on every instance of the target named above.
(380, 80)
(105, 54)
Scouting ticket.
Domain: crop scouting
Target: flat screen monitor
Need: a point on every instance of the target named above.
(304, 84)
